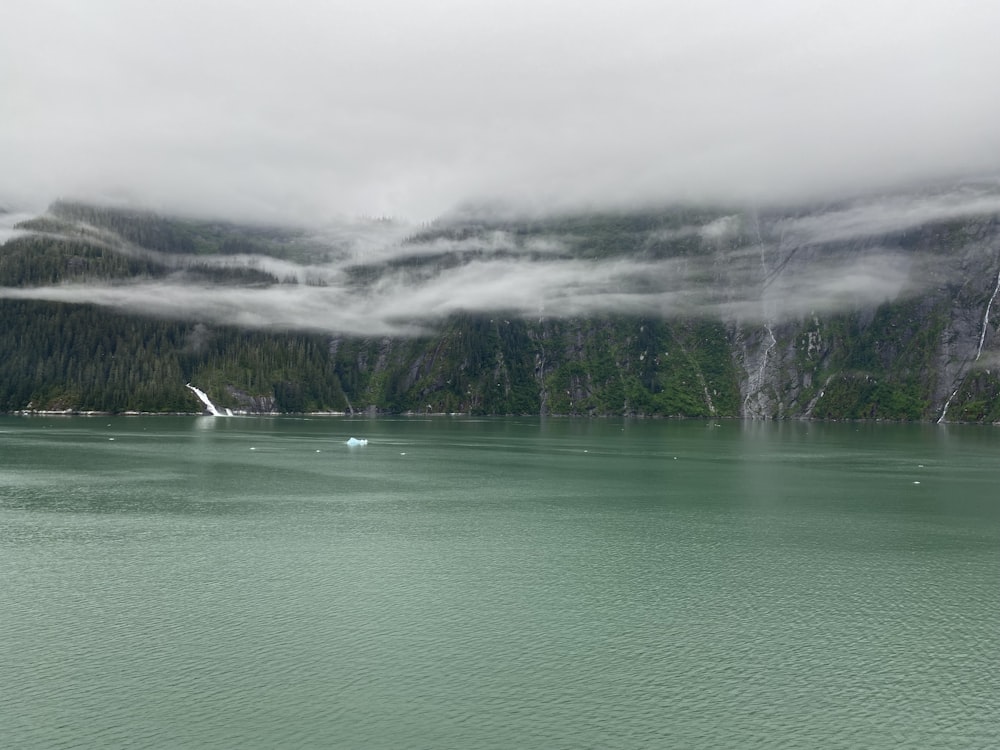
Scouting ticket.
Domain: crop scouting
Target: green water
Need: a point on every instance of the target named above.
(459, 583)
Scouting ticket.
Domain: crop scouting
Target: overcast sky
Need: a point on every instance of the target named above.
(312, 109)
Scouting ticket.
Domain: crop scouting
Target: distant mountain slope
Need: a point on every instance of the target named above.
(877, 308)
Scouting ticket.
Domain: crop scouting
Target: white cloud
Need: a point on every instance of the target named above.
(312, 109)
(728, 279)
(891, 214)
(7, 223)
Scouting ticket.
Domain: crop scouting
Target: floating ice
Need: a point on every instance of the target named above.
(355, 441)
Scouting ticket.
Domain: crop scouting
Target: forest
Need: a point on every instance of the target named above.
(907, 358)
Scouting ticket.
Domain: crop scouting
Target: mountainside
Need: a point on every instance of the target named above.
(877, 308)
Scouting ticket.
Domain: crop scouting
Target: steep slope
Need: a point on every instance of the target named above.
(926, 352)
(877, 308)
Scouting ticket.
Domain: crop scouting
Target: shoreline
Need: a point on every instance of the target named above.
(376, 415)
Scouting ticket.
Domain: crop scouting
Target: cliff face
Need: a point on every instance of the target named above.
(580, 366)
(928, 351)
(881, 308)
(885, 311)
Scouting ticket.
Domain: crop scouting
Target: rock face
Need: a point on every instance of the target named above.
(880, 309)
(886, 307)
(925, 352)
(259, 404)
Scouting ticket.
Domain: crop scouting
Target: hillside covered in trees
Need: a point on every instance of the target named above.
(876, 308)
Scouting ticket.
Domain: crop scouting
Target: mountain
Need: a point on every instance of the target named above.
(878, 307)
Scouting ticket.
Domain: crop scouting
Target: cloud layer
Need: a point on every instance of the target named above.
(377, 280)
(311, 110)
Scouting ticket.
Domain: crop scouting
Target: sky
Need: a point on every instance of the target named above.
(313, 110)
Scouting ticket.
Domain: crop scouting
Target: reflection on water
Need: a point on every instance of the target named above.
(497, 583)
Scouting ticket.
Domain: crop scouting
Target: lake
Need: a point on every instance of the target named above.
(470, 583)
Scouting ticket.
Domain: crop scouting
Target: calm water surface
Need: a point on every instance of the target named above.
(510, 583)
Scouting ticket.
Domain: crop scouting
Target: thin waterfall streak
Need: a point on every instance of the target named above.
(979, 350)
(755, 384)
(944, 411)
(986, 318)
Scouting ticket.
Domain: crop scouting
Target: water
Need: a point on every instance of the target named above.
(458, 583)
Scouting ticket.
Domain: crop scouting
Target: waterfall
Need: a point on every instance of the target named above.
(986, 319)
(207, 401)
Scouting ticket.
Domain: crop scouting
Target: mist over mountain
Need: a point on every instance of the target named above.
(882, 306)
(711, 208)
(300, 112)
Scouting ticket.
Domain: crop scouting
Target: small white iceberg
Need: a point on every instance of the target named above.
(355, 441)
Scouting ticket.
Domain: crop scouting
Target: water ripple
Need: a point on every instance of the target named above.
(559, 613)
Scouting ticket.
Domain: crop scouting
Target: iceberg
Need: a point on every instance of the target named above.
(355, 441)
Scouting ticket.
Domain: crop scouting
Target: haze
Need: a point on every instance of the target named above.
(305, 111)
(758, 268)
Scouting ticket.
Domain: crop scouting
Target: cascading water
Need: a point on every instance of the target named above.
(979, 350)
(208, 402)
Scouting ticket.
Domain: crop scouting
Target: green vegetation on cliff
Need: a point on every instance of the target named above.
(81, 357)
(904, 358)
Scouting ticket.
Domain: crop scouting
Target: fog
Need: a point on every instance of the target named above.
(745, 268)
(7, 223)
(399, 307)
(875, 216)
(312, 110)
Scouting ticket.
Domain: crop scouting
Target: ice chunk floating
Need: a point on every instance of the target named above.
(355, 441)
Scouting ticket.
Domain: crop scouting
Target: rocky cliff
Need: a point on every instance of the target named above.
(881, 307)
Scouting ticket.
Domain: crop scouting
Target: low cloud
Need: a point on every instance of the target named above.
(8, 222)
(309, 110)
(873, 217)
(749, 278)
